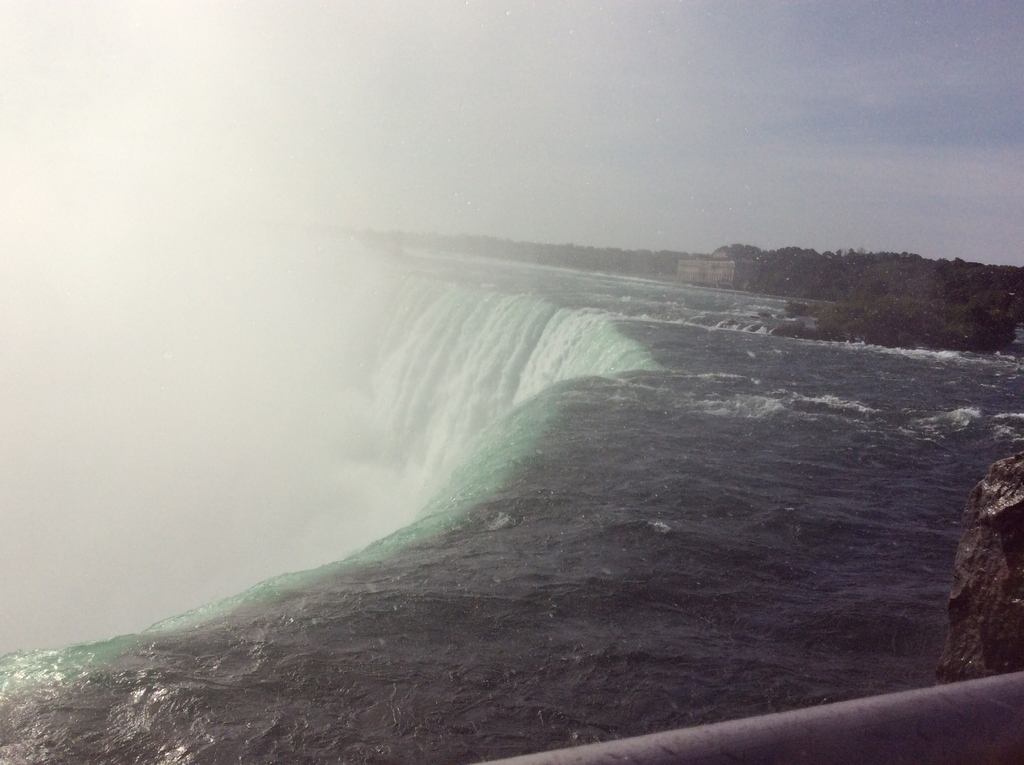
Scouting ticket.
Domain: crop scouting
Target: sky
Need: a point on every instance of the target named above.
(184, 402)
(665, 125)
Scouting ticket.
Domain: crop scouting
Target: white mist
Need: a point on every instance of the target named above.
(182, 416)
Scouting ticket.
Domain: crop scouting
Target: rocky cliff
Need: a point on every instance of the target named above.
(986, 605)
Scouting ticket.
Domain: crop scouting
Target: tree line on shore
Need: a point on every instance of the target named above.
(647, 263)
(887, 298)
(884, 298)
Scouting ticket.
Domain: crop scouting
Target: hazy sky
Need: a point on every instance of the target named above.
(687, 125)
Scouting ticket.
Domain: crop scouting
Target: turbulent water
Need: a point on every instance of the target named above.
(639, 511)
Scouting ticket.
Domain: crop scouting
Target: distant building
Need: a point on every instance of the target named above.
(715, 271)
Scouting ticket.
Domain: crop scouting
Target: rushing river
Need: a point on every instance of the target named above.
(636, 510)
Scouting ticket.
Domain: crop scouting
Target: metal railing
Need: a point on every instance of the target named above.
(975, 722)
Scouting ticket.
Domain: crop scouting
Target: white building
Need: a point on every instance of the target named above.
(713, 271)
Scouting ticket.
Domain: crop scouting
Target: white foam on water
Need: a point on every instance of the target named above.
(778, 402)
(1005, 433)
(834, 403)
(747, 406)
(956, 419)
(950, 357)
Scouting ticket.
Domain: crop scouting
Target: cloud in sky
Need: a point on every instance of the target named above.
(650, 124)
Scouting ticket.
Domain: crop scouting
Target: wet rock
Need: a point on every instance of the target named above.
(986, 604)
